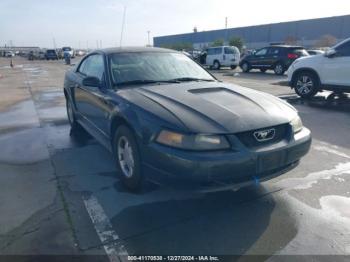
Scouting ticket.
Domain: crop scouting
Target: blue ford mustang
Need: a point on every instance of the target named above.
(165, 117)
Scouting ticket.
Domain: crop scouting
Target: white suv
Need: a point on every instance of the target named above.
(223, 56)
(329, 71)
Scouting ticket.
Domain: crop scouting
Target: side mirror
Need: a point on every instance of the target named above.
(92, 81)
(330, 53)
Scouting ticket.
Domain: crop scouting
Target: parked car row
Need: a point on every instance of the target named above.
(51, 54)
(277, 57)
(309, 71)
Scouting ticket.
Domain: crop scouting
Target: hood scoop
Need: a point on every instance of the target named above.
(208, 90)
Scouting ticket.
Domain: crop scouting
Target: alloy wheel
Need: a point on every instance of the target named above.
(279, 69)
(304, 85)
(125, 157)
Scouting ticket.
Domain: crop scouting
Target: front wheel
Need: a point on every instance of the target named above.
(127, 158)
(306, 85)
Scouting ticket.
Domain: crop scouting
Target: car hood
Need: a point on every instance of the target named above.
(310, 59)
(212, 107)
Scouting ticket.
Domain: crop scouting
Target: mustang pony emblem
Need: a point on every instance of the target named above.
(264, 135)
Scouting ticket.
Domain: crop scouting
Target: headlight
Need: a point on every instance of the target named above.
(193, 142)
(296, 124)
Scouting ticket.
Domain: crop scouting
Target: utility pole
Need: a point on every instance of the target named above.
(101, 44)
(226, 29)
(149, 39)
(123, 24)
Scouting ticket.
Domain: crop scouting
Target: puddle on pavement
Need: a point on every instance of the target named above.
(50, 98)
(313, 178)
(23, 147)
(325, 100)
(53, 114)
(337, 205)
(35, 71)
(20, 114)
(322, 231)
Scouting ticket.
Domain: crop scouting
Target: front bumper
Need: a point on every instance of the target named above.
(237, 167)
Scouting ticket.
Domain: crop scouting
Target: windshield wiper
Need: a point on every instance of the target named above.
(189, 79)
(145, 82)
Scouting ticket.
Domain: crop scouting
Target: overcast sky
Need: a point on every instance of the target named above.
(84, 22)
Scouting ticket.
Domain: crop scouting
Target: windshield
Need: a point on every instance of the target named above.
(154, 66)
(66, 49)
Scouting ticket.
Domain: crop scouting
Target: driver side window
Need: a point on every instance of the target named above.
(93, 66)
(261, 52)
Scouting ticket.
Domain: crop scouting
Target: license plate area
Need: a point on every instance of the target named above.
(270, 161)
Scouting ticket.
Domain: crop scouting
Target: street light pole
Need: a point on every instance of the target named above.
(149, 39)
(123, 24)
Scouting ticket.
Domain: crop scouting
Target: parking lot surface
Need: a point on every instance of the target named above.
(60, 194)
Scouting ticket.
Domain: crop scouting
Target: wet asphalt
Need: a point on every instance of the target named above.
(47, 173)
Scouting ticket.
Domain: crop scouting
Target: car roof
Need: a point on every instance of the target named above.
(221, 46)
(136, 50)
(287, 46)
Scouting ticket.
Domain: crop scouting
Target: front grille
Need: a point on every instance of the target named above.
(249, 140)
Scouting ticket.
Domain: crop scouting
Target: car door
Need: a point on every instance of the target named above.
(259, 59)
(229, 56)
(92, 102)
(214, 54)
(272, 56)
(336, 68)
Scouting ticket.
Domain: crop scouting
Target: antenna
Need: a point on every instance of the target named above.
(123, 24)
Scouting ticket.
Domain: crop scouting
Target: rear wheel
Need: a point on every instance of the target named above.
(306, 85)
(127, 158)
(279, 69)
(216, 65)
(245, 67)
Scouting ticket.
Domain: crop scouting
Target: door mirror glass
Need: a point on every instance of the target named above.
(92, 81)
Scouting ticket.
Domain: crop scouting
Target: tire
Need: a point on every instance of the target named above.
(245, 67)
(306, 85)
(233, 67)
(263, 70)
(71, 115)
(127, 158)
(216, 65)
(279, 69)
